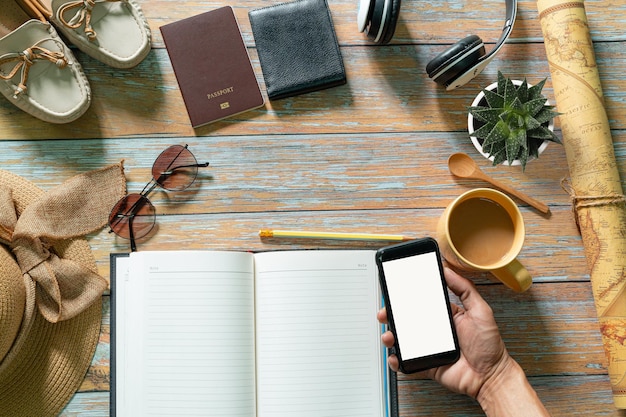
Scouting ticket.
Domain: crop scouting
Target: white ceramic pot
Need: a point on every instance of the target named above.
(476, 143)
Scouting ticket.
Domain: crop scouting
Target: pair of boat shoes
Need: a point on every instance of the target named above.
(39, 73)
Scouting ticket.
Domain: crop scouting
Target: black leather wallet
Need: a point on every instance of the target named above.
(297, 48)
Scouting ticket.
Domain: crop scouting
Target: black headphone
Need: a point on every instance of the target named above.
(378, 19)
(452, 68)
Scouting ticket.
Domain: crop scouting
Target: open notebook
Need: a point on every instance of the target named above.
(208, 333)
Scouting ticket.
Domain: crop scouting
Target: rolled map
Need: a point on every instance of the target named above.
(594, 185)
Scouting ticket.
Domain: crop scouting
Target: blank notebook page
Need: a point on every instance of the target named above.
(318, 341)
(195, 354)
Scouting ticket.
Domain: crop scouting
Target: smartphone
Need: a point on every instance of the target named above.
(418, 305)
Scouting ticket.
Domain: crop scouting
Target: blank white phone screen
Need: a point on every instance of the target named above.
(418, 305)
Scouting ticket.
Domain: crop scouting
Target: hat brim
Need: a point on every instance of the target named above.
(48, 361)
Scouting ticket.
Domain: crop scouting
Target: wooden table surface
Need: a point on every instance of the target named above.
(368, 156)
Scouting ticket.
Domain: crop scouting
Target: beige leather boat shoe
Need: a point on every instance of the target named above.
(112, 31)
(38, 72)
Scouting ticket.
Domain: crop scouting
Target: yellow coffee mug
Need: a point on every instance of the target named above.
(483, 230)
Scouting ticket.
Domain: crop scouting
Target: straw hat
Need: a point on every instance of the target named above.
(48, 333)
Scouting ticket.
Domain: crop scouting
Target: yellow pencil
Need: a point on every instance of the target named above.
(306, 234)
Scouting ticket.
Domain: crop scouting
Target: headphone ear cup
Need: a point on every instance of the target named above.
(364, 14)
(376, 20)
(390, 24)
(450, 64)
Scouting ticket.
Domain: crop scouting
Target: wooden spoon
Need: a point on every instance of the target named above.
(462, 165)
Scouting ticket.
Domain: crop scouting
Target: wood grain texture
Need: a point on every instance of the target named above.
(369, 156)
(387, 91)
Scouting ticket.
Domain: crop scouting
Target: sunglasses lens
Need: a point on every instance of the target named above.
(134, 211)
(175, 169)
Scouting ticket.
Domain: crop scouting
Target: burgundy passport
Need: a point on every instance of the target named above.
(212, 66)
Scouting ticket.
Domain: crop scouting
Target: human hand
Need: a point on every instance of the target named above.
(483, 354)
(485, 370)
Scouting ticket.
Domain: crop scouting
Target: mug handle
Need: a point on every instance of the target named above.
(514, 276)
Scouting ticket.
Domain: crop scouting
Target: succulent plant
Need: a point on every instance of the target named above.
(512, 124)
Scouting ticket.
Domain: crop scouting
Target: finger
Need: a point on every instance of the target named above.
(464, 289)
(382, 315)
(388, 339)
(393, 363)
(455, 309)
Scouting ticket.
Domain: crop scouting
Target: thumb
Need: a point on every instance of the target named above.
(465, 290)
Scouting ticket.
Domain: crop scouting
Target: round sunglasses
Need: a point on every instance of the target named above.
(134, 216)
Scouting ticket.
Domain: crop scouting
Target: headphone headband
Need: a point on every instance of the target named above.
(454, 67)
(511, 13)
(453, 76)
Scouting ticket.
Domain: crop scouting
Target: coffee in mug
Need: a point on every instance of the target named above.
(483, 230)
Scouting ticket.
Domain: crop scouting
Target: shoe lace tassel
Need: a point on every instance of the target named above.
(82, 15)
(25, 59)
